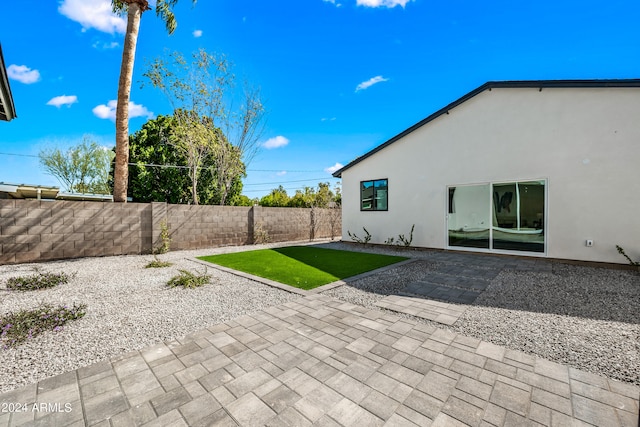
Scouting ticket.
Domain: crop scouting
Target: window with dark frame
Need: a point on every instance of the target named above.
(374, 195)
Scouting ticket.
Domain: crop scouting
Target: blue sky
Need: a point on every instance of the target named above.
(338, 77)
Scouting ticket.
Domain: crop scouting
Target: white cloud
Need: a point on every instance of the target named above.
(106, 45)
(281, 173)
(332, 169)
(23, 74)
(93, 14)
(109, 111)
(197, 33)
(61, 100)
(333, 2)
(382, 3)
(372, 81)
(327, 119)
(275, 142)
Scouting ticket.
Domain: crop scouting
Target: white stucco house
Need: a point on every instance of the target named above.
(537, 168)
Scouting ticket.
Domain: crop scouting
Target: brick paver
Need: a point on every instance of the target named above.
(320, 361)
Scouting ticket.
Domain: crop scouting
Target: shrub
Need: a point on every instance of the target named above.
(624, 254)
(404, 241)
(364, 240)
(37, 281)
(260, 234)
(16, 328)
(165, 237)
(156, 263)
(187, 279)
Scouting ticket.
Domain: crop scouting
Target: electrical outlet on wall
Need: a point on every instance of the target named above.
(589, 243)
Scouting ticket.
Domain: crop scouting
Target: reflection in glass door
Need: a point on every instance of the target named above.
(469, 224)
(518, 222)
(504, 216)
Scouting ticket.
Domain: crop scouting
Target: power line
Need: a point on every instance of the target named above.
(20, 155)
(155, 165)
(286, 182)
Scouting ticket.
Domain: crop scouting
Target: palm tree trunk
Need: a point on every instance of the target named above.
(121, 173)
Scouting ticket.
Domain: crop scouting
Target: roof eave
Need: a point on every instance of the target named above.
(7, 108)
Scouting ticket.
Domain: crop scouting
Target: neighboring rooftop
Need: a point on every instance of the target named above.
(7, 109)
(44, 192)
(539, 84)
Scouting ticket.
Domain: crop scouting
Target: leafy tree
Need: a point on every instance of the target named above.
(309, 197)
(242, 200)
(170, 182)
(278, 198)
(207, 123)
(134, 9)
(81, 169)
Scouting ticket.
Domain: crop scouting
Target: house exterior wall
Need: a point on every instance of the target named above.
(584, 141)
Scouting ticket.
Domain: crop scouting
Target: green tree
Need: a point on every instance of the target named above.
(200, 91)
(310, 197)
(169, 182)
(83, 168)
(242, 200)
(134, 9)
(278, 198)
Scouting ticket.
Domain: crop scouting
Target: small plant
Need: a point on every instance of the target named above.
(389, 241)
(187, 279)
(164, 236)
(364, 240)
(403, 240)
(260, 235)
(16, 328)
(156, 263)
(624, 254)
(37, 281)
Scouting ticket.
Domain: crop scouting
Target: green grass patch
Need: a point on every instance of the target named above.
(303, 267)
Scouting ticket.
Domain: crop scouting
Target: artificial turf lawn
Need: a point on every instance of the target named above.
(303, 267)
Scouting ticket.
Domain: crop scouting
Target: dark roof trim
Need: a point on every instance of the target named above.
(540, 84)
(7, 109)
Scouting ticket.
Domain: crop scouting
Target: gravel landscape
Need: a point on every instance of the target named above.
(588, 318)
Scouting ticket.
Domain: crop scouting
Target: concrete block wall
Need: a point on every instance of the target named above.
(283, 224)
(203, 226)
(34, 230)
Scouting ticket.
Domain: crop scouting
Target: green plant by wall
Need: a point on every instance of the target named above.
(260, 235)
(16, 328)
(364, 240)
(37, 281)
(624, 254)
(164, 237)
(403, 240)
(187, 279)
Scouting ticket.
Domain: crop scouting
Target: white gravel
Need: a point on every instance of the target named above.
(129, 308)
(588, 318)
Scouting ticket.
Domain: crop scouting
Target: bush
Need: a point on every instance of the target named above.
(187, 279)
(156, 263)
(364, 240)
(16, 328)
(37, 281)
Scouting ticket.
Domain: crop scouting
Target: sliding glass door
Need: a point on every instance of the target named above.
(469, 213)
(503, 216)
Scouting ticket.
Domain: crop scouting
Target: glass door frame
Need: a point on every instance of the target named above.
(491, 207)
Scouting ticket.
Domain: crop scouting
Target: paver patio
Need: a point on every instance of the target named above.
(320, 361)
